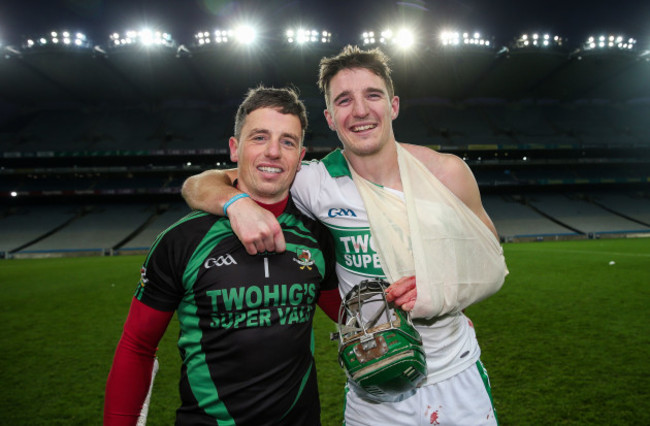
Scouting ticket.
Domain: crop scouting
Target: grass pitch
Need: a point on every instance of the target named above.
(566, 341)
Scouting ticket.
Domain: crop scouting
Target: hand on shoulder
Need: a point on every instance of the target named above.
(257, 228)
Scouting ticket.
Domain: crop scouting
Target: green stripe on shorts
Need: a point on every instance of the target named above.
(486, 381)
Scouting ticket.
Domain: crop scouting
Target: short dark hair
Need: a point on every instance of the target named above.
(351, 57)
(285, 100)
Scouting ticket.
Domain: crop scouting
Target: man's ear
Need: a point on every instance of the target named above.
(233, 144)
(330, 122)
(394, 105)
(302, 155)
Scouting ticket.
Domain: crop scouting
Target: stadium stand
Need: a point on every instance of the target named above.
(559, 147)
(631, 119)
(22, 225)
(515, 220)
(167, 215)
(633, 206)
(94, 228)
(584, 217)
(526, 124)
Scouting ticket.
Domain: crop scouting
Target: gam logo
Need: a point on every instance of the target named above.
(341, 212)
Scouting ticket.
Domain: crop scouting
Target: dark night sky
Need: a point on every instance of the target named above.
(503, 19)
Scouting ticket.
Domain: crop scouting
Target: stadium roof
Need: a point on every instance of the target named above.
(137, 75)
(153, 66)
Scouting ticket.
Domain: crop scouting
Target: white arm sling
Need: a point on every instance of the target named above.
(432, 234)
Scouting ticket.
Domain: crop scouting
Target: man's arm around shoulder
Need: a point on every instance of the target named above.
(210, 190)
(256, 227)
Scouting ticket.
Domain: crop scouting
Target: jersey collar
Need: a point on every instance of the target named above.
(336, 164)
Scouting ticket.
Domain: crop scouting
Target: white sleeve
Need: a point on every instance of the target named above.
(306, 187)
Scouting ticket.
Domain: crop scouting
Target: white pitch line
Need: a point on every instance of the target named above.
(604, 253)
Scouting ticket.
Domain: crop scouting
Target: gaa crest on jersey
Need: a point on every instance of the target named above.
(225, 260)
(304, 259)
(143, 277)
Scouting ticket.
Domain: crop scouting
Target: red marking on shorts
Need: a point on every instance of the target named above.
(435, 416)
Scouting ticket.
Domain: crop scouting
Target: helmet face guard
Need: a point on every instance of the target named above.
(379, 348)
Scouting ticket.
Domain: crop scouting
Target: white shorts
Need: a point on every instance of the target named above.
(462, 400)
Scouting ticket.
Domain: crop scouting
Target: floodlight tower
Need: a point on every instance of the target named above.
(610, 42)
(304, 36)
(455, 39)
(400, 40)
(606, 44)
(538, 40)
(58, 39)
(145, 37)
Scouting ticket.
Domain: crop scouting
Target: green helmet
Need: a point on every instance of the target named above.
(379, 348)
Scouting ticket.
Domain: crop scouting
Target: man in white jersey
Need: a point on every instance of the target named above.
(361, 106)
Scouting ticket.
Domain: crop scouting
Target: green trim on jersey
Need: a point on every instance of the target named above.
(189, 216)
(220, 230)
(198, 373)
(296, 227)
(305, 378)
(199, 377)
(336, 164)
(303, 383)
(486, 381)
(192, 215)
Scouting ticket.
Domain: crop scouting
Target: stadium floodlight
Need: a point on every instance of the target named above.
(403, 38)
(537, 40)
(205, 38)
(368, 37)
(216, 37)
(145, 37)
(611, 42)
(450, 38)
(456, 39)
(326, 36)
(304, 36)
(245, 34)
(59, 38)
(386, 36)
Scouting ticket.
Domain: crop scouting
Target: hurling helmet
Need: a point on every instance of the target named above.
(379, 348)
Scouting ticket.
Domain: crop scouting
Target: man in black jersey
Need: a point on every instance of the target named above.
(245, 321)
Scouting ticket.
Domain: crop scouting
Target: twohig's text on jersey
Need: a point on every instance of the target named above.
(260, 306)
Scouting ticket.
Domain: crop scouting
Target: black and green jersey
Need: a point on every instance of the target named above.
(245, 321)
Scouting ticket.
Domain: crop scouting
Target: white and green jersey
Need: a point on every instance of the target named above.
(325, 190)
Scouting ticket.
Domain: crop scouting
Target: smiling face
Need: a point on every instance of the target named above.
(361, 111)
(268, 154)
